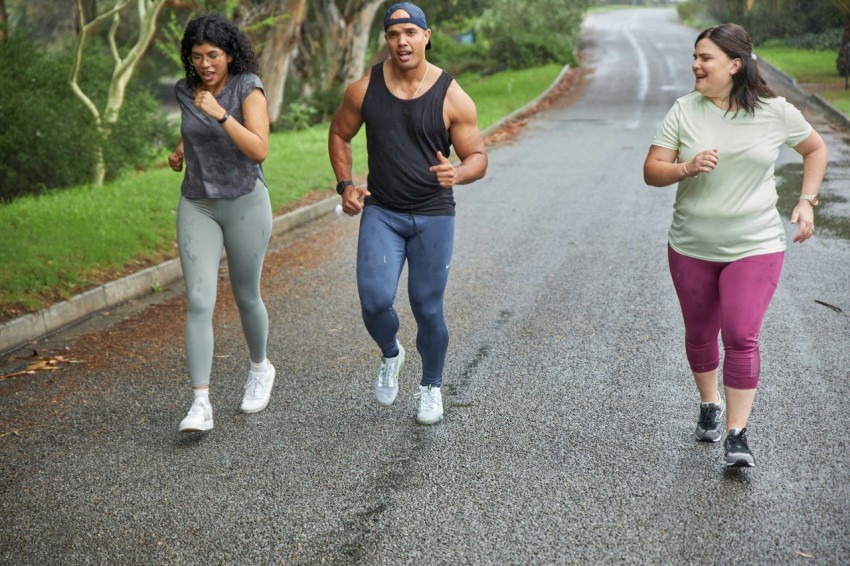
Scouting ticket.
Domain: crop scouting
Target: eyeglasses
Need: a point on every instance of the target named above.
(212, 57)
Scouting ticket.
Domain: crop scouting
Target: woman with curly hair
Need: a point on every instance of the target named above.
(224, 202)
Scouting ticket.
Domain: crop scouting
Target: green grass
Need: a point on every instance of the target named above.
(806, 66)
(498, 95)
(814, 69)
(839, 98)
(64, 242)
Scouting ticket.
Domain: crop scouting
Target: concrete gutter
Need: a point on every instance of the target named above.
(19, 331)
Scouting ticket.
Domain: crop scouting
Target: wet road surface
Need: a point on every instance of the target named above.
(568, 435)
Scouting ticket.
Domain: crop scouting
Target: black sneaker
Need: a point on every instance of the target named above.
(708, 425)
(737, 452)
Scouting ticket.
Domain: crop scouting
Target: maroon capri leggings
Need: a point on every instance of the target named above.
(729, 298)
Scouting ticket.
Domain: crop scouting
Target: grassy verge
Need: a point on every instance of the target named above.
(62, 243)
(814, 69)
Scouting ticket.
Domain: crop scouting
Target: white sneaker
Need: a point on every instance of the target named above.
(430, 405)
(258, 389)
(199, 418)
(386, 382)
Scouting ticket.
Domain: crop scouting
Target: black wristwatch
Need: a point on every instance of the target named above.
(340, 187)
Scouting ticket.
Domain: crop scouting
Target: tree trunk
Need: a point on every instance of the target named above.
(843, 61)
(349, 40)
(276, 52)
(4, 23)
(148, 10)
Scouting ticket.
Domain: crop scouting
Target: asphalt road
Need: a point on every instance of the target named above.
(569, 405)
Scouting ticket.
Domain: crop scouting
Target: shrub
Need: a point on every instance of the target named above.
(455, 57)
(520, 37)
(45, 133)
(829, 40)
(48, 140)
(299, 116)
(784, 20)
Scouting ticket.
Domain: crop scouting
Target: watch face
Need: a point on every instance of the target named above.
(815, 200)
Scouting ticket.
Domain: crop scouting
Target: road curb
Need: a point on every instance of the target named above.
(19, 331)
(832, 113)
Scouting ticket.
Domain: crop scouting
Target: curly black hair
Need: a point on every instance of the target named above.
(222, 33)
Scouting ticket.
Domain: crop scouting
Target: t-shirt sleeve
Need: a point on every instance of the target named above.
(247, 83)
(668, 135)
(796, 127)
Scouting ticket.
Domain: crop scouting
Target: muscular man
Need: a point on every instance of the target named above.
(414, 114)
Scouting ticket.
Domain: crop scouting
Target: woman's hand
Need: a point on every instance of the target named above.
(804, 214)
(206, 103)
(703, 162)
(175, 160)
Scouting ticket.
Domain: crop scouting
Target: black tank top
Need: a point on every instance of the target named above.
(402, 140)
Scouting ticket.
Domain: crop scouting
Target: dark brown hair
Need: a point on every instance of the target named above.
(748, 87)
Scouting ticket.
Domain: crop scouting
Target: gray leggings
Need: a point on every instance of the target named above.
(241, 226)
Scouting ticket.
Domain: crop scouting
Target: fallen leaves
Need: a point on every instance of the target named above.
(51, 363)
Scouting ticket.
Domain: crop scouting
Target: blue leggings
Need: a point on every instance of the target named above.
(386, 240)
(242, 226)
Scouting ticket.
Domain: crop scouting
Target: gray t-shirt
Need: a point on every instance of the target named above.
(215, 168)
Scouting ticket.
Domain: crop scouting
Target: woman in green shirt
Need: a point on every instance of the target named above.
(727, 240)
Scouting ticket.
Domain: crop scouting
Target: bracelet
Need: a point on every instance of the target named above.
(225, 117)
(687, 173)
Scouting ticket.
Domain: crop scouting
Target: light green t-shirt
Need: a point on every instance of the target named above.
(729, 213)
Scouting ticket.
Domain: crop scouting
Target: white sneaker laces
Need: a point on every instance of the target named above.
(197, 408)
(385, 374)
(427, 399)
(254, 385)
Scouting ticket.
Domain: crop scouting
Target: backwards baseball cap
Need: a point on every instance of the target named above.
(415, 16)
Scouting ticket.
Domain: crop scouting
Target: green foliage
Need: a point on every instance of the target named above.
(139, 137)
(828, 39)
(48, 140)
(691, 12)
(521, 34)
(299, 116)
(168, 42)
(777, 18)
(456, 57)
(45, 134)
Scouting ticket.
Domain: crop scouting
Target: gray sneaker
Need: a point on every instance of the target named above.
(738, 453)
(386, 382)
(708, 426)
